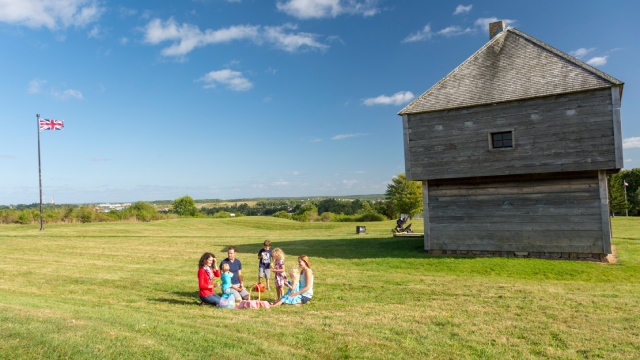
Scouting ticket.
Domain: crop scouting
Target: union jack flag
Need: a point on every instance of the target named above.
(50, 124)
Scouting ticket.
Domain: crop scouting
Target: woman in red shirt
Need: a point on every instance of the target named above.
(208, 270)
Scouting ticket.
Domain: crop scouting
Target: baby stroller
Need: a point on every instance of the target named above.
(400, 228)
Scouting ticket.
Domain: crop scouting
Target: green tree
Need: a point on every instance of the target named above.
(184, 206)
(617, 200)
(404, 196)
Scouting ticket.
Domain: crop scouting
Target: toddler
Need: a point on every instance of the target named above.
(294, 287)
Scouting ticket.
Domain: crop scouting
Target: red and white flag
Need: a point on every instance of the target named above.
(50, 124)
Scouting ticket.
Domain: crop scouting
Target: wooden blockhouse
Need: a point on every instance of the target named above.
(512, 148)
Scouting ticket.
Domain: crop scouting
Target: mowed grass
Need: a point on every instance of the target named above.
(129, 291)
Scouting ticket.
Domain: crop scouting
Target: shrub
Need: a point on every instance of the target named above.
(222, 215)
(344, 218)
(370, 216)
(24, 217)
(307, 212)
(282, 215)
(85, 214)
(326, 216)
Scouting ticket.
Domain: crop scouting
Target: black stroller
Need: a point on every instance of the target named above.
(400, 228)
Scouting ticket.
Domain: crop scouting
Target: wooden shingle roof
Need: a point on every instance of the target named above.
(511, 66)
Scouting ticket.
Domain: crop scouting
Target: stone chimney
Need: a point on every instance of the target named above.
(496, 28)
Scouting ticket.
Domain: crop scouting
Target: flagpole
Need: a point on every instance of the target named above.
(625, 197)
(39, 171)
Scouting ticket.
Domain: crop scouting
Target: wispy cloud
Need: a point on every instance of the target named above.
(280, 183)
(50, 14)
(349, 183)
(424, 34)
(398, 98)
(579, 53)
(233, 80)
(35, 86)
(8, 156)
(291, 42)
(483, 23)
(598, 60)
(187, 37)
(346, 136)
(313, 9)
(455, 31)
(462, 9)
(629, 143)
(67, 94)
(97, 32)
(315, 140)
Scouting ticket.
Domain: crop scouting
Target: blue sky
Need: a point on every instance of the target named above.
(253, 98)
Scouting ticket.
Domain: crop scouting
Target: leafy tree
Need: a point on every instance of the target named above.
(184, 206)
(85, 214)
(617, 199)
(404, 196)
(282, 215)
(307, 212)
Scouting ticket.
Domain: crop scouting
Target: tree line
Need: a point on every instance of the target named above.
(619, 202)
(401, 197)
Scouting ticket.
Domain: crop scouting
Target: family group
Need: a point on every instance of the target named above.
(298, 282)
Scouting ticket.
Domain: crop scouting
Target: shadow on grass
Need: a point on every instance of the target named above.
(363, 247)
(186, 298)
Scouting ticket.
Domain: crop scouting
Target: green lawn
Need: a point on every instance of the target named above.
(129, 291)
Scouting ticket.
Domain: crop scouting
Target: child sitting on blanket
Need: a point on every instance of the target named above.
(278, 270)
(294, 286)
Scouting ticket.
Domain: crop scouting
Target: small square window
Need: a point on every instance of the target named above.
(501, 140)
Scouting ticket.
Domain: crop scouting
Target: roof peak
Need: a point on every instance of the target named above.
(510, 66)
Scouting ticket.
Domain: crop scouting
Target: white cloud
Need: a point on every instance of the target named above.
(281, 183)
(232, 79)
(581, 52)
(97, 32)
(313, 9)
(461, 9)
(124, 41)
(35, 86)
(455, 31)
(483, 23)
(67, 94)
(629, 143)
(398, 98)
(598, 61)
(291, 42)
(346, 136)
(187, 37)
(349, 183)
(52, 14)
(424, 34)
(315, 140)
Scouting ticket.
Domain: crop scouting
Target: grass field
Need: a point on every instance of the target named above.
(129, 291)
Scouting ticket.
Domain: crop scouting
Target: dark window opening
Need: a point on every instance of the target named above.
(501, 140)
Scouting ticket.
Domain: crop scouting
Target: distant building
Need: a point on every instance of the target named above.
(513, 148)
(106, 207)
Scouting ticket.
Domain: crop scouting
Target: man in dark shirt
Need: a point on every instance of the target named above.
(235, 266)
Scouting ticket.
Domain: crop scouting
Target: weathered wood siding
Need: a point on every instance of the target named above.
(570, 132)
(558, 212)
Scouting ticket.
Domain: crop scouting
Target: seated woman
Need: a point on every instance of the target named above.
(306, 280)
(208, 270)
(303, 292)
